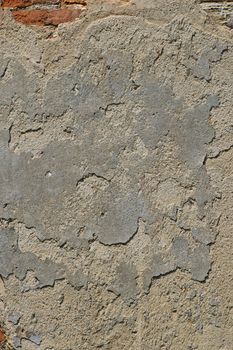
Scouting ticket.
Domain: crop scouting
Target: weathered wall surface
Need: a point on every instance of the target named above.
(116, 170)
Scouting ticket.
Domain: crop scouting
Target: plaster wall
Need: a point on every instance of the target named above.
(116, 171)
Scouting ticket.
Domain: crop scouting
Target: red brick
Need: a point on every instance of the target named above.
(46, 17)
(2, 336)
(24, 3)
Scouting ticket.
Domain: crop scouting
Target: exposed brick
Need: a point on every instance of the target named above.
(24, 3)
(2, 336)
(46, 17)
(49, 12)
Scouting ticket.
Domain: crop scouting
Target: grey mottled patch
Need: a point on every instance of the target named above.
(14, 318)
(200, 263)
(160, 265)
(125, 283)
(16, 342)
(35, 338)
(78, 280)
(193, 133)
(203, 235)
(17, 262)
(180, 256)
(181, 250)
(213, 54)
(119, 221)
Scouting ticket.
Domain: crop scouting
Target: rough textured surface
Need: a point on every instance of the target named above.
(116, 177)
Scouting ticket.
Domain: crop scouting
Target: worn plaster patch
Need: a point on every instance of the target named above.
(161, 265)
(203, 235)
(125, 283)
(13, 261)
(180, 256)
(120, 221)
(125, 116)
(181, 250)
(200, 263)
(213, 54)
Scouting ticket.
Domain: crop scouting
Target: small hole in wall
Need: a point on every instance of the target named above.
(48, 174)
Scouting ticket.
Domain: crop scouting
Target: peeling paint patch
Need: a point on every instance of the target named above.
(13, 261)
(125, 284)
